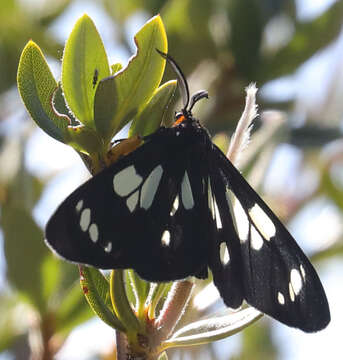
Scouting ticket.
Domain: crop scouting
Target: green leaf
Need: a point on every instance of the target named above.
(61, 106)
(136, 83)
(213, 329)
(84, 139)
(84, 61)
(246, 33)
(10, 327)
(96, 289)
(140, 288)
(36, 86)
(157, 292)
(25, 254)
(50, 276)
(115, 68)
(163, 356)
(120, 303)
(105, 104)
(71, 309)
(150, 118)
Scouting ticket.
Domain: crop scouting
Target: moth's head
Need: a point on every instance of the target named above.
(188, 103)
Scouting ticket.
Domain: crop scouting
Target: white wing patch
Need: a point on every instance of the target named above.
(94, 232)
(280, 298)
(210, 199)
(79, 206)
(85, 222)
(241, 219)
(296, 281)
(175, 206)
(85, 219)
(132, 201)
(108, 247)
(224, 254)
(126, 180)
(291, 292)
(262, 222)
(256, 240)
(302, 270)
(150, 186)
(165, 238)
(186, 193)
(212, 204)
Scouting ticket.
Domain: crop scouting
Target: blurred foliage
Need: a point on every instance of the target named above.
(221, 46)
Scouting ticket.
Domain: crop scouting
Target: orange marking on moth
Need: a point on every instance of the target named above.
(124, 148)
(179, 120)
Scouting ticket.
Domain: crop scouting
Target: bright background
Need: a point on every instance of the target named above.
(293, 50)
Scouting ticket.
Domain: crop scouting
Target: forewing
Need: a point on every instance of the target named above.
(145, 212)
(276, 277)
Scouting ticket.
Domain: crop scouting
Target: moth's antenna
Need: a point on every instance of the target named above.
(184, 90)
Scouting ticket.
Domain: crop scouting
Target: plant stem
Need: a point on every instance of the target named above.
(122, 346)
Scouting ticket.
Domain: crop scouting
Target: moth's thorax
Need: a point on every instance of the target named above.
(188, 129)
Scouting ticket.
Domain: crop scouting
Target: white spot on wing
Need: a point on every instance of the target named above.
(94, 233)
(210, 199)
(126, 180)
(186, 193)
(85, 219)
(296, 281)
(241, 219)
(256, 239)
(150, 186)
(175, 206)
(218, 219)
(108, 247)
(291, 292)
(132, 200)
(280, 298)
(79, 206)
(165, 238)
(224, 254)
(302, 272)
(262, 222)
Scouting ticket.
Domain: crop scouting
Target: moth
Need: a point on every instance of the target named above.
(176, 207)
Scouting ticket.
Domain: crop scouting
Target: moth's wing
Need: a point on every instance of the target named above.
(276, 277)
(145, 212)
(225, 252)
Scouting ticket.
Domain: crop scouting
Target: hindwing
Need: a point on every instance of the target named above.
(274, 274)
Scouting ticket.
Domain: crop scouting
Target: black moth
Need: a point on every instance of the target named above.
(171, 208)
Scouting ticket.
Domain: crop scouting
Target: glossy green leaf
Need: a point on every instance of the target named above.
(137, 82)
(96, 289)
(36, 86)
(84, 63)
(121, 305)
(151, 117)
